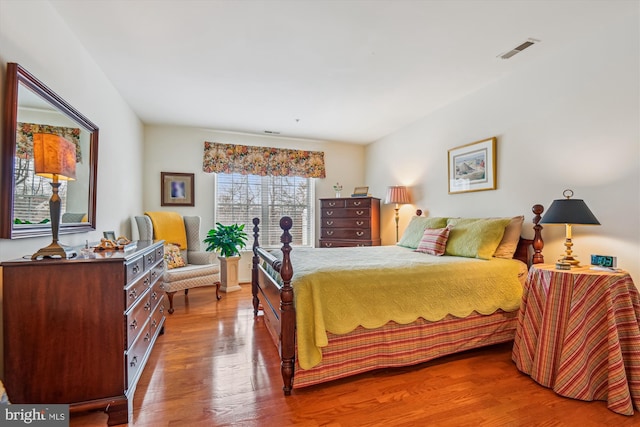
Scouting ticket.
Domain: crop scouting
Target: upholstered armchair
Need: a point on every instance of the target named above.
(198, 269)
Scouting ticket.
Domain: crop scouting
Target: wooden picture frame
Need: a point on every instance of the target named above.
(361, 190)
(177, 189)
(472, 167)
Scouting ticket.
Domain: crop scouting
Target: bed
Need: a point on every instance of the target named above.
(338, 312)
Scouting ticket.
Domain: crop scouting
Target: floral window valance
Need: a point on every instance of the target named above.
(263, 161)
(24, 138)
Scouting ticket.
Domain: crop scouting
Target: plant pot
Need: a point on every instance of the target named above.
(229, 273)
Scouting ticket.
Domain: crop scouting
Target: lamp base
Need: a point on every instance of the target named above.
(55, 250)
(568, 259)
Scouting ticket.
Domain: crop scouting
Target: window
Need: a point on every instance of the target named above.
(240, 198)
(32, 194)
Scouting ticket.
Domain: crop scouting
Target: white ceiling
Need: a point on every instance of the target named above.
(351, 71)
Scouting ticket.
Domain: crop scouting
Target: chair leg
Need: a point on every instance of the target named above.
(170, 296)
(218, 291)
(186, 291)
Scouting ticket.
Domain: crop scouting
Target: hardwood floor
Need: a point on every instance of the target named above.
(216, 366)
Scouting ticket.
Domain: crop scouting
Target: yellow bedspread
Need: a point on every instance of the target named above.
(169, 226)
(337, 290)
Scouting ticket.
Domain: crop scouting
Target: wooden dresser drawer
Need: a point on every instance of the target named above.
(135, 357)
(135, 268)
(149, 259)
(332, 203)
(137, 318)
(345, 233)
(324, 243)
(135, 290)
(358, 202)
(329, 223)
(345, 213)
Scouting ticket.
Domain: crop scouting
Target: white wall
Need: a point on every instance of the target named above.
(570, 121)
(180, 149)
(59, 60)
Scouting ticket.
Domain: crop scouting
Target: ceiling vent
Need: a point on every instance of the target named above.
(271, 132)
(518, 49)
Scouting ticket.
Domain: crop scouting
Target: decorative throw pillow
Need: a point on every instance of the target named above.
(414, 231)
(434, 241)
(173, 257)
(475, 237)
(509, 242)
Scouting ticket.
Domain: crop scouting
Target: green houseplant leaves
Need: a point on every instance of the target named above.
(226, 239)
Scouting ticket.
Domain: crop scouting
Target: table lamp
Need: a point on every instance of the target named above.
(397, 194)
(569, 212)
(54, 158)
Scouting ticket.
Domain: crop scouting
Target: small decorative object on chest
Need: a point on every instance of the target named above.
(337, 188)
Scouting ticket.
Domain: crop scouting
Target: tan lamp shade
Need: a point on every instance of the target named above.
(397, 194)
(54, 156)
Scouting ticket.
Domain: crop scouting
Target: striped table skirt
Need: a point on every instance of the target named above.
(578, 333)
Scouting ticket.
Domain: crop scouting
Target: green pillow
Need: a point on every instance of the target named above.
(415, 230)
(475, 237)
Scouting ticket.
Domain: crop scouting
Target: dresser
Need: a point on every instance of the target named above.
(351, 221)
(80, 331)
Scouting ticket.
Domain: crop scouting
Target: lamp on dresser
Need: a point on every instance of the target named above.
(54, 158)
(398, 195)
(569, 212)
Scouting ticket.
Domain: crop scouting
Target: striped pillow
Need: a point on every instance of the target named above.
(434, 241)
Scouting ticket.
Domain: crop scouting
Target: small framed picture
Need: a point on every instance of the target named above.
(472, 167)
(361, 190)
(109, 235)
(176, 189)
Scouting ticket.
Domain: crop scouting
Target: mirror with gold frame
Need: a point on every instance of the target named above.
(32, 107)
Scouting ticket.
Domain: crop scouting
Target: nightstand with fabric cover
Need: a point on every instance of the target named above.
(197, 269)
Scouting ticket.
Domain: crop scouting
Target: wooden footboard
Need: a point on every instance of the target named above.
(276, 297)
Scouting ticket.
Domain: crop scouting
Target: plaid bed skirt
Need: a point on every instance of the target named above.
(395, 345)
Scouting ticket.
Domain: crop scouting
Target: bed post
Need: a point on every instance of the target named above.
(254, 268)
(287, 310)
(538, 243)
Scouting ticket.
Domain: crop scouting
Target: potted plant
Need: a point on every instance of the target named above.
(227, 240)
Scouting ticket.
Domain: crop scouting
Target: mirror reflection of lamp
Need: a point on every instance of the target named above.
(54, 158)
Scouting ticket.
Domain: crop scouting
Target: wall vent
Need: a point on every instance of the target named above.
(518, 49)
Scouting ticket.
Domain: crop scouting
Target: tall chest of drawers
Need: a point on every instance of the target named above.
(353, 221)
(80, 331)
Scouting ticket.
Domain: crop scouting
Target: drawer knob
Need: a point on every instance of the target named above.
(332, 204)
(147, 306)
(136, 269)
(133, 325)
(134, 361)
(359, 222)
(357, 203)
(359, 233)
(133, 294)
(328, 245)
(329, 213)
(147, 337)
(329, 222)
(359, 212)
(330, 233)
(146, 281)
